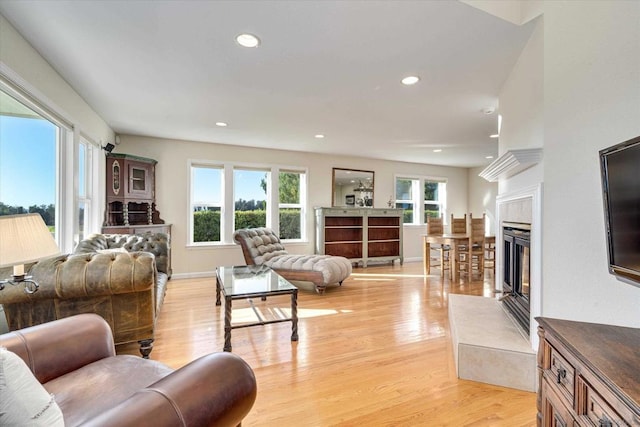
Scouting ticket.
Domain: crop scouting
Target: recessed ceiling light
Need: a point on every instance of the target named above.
(319, 136)
(221, 124)
(489, 157)
(495, 135)
(248, 40)
(437, 150)
(410, 80)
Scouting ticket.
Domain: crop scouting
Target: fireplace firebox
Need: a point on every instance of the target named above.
(516, 268)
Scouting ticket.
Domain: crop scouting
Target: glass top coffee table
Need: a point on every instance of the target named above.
(251, 281)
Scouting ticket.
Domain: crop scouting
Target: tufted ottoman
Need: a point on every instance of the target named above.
(261, 246)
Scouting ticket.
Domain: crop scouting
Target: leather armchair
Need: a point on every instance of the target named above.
(74, 359)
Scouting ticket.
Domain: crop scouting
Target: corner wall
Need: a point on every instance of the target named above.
(482, 198)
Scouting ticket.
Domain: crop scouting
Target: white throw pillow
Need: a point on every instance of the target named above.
(23, 400)
(112, 250)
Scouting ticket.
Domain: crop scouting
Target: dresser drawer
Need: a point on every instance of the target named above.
(596, 409)
(562, 375)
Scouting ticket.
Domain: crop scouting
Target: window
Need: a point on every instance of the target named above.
(434, 196)
(250, 198)
(259, 197)
(291, 210)
(82, 196)
(417, 208)
(206, 203)
(406, 189)
(29, 147)
(42, 171)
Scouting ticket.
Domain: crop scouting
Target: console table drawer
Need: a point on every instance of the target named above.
(562, 375)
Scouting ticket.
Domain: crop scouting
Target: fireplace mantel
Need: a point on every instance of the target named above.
(511, 163)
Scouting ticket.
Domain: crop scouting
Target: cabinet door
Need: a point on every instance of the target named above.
(140, 183)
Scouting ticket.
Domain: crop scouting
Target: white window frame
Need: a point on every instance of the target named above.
(417, 196)
(442, 194)
(91, 163)
(63, 186)
(227, 215)
(192, 204)
(300, 205)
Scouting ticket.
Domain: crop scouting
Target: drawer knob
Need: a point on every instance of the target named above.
(562, 374)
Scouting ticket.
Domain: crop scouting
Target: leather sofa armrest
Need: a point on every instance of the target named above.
(217, 389)
(55, 348)
(87, 275)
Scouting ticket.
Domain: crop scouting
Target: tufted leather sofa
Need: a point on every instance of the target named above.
(261, 246)
(74, 359)
(125, 288)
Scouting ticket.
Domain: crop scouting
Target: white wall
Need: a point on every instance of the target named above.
(482, 198)
(522, 109)
(172, 191)
(591, 101)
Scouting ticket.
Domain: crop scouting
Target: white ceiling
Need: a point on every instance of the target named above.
(172, 69)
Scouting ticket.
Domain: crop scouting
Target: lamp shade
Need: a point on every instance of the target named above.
(25, 238)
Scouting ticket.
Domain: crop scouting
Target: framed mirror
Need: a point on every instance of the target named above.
(352, 188)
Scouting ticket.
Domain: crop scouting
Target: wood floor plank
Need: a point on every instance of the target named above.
(373, 352)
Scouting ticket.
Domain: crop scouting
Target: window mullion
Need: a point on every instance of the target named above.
(273, 208)
(228, 207)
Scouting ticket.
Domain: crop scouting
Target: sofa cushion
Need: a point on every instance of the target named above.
(24, 402)
(262, 243)
(155, 243)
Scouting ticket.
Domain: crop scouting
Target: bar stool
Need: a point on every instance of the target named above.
(471, 260)
(435, 227)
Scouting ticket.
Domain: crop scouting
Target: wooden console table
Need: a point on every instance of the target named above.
(589, 374)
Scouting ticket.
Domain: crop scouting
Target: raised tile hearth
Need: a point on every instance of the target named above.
(488, 346)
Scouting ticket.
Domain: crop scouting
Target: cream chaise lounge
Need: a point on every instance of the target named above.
(261, 246)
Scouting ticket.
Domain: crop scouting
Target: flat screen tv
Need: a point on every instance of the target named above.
(620, 170)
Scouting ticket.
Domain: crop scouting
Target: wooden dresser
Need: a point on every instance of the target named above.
(589, 374)
(361, 235)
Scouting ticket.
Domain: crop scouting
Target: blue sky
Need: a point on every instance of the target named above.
(27, 167)
(207, 188)
(27, 161)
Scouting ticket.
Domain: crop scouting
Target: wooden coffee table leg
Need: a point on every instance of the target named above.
(294, 315)
(227, 323)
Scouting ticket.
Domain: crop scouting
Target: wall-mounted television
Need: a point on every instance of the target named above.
(620, 170)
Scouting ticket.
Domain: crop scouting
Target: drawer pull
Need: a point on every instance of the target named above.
(562, 374)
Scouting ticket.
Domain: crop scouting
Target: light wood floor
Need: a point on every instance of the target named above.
(374, 352)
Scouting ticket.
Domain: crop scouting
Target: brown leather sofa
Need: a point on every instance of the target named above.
(74, 359)
(126, 288)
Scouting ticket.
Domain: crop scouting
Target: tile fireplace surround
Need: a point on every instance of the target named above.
(488, 345)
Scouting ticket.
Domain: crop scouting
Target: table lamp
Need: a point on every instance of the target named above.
(23, 239)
